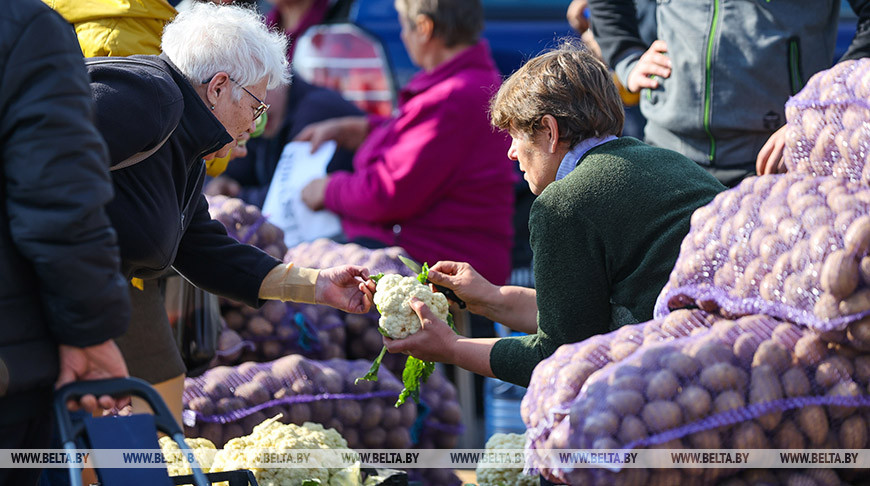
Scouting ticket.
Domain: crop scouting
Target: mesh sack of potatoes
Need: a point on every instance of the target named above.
(247, 224)
(277, 329)
(227, 402)
(558, 381)
(323, 253)
(791, 247)
(750, 383)
(827, 133)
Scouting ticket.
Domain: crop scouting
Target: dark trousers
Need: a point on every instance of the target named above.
(30, 434)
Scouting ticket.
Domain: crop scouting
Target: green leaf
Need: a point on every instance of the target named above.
(383, 332)
(450, 322)
(423, 276)
(377, 277)
(372, 375)
(415, 374)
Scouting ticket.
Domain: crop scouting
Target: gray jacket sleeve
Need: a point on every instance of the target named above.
(56, 182)
(860, 46)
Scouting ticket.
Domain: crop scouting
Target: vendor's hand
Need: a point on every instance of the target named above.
(435, 341)
(770, 160)
(652, 63)
(468, 285)
(314, 193)
(96, 362)
(576, 15)
(340, 287)
(348, 132)
(223, 185)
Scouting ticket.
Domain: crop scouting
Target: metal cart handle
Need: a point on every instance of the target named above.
(118, 387)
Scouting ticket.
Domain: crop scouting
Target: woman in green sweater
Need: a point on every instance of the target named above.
(605, 229)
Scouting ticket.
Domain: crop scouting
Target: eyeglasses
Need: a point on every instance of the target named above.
(259, 110)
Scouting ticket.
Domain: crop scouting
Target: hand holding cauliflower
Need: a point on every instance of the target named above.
(393, 300)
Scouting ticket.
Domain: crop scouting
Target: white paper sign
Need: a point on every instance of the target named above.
(284, 207)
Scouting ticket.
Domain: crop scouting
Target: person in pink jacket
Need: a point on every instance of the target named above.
(435, 178)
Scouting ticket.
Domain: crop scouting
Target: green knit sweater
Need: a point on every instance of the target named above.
(605, 239)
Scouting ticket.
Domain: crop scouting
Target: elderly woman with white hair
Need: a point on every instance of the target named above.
(161, 117)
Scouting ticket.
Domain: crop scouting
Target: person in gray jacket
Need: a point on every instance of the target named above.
(714, 85)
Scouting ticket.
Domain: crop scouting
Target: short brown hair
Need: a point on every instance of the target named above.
(570, 84)
(457, 22)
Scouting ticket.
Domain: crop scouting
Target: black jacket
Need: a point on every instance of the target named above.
(59, 279)
(159, 211)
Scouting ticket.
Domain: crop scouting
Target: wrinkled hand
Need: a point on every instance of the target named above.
(348, 132)
(464, 280)
(769, 160)
(223, 185)
(576, 16)
(341, 287)
(92, 363)
(314, 193)
(433, 342)
(652, 63)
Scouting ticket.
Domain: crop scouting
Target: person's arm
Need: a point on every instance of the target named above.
(513, 306)
(55, 169)
(409, 175)
(860, 46)
(572, 285)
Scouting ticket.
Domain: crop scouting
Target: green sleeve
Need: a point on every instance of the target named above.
(571, 281)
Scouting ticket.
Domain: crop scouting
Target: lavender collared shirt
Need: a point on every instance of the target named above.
(569, 162)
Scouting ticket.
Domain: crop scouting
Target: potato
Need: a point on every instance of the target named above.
(632, 429)
(843, 389)
(862, 369)
(621, 350)
(230, 404)
(707, 439)
(771, 287)
(857, 303)
(215, 390)
(259, 326)
(234, 319)
(661, 415)
(711, 353)
(813, 423)
(764, 387)
(839, 276)
(662, 385)
(810, 349)
(374, 438)
(680, 364)
(773, 354)
(857, 237)
(853, 433)
(824, 477)
(728, 400)
(721, 376)
(203, 405)
(827, 307)
(349, 412)
(745, 347)
(298, 413)
(253, 392)
(789, 230)
(833, 370)
(629, 382)
(696, 402)
(601, 424)
(864, 270)
(749, 435)
(624, 402)
(858, 333)
(788, 436)
(812, 121)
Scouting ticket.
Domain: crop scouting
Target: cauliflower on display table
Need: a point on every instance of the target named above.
(398, 320)
(393, 300)
(502, 476)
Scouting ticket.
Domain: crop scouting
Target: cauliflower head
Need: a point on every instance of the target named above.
(393, 300)
(490, 476)
(272, 434)
(203, 449)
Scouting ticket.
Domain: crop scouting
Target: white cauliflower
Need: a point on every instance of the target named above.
(507, 476)
(203, 449)
(393, 300)
(240, 453)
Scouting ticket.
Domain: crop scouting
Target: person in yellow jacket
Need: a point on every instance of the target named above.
(116, 27)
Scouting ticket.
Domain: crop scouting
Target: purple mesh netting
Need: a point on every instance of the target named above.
(792, 247)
